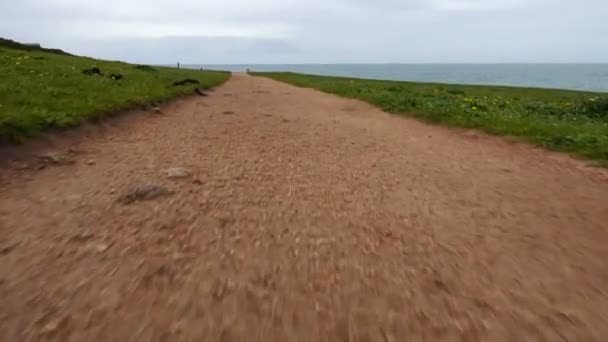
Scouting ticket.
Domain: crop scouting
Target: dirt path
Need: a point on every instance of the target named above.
(306, 218)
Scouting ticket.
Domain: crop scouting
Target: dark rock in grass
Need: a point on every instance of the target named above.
(117, 77)
(92, 71)
(144, 68)
(144, 192)
(186, 81)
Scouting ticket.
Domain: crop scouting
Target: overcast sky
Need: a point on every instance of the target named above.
(315, 31)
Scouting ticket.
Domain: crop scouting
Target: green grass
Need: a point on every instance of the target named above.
(41, 90)
(569, 121)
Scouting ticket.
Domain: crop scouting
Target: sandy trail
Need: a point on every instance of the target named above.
(307, 218)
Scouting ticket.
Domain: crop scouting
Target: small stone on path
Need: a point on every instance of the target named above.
(19, 166)
(83, 236)
(177, 173)
(144, 193)
(55, 158)
(9, 247)
(101, 247)
(54, 325)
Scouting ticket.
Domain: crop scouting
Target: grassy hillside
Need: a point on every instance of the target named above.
(40, 90)
(562, 120)
(11, 44)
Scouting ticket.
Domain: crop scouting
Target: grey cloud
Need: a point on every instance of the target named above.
(316, 31)
(188, 50)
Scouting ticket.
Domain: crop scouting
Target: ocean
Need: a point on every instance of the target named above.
(592, 77)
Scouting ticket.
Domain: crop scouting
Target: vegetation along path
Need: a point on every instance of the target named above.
(266, 212)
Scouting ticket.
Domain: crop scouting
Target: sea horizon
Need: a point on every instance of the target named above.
(567, 76)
